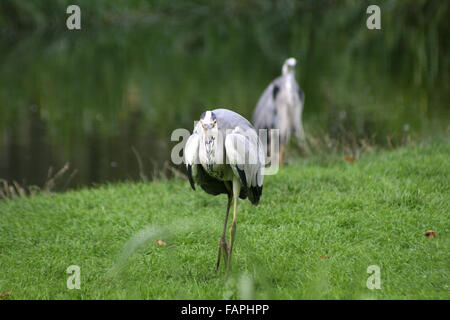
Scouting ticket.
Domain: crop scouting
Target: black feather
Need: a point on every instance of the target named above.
(242, 176)
(255, 194)
(191, 181)
(275, 91)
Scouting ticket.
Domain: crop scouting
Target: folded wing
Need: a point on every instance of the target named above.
(246, 157)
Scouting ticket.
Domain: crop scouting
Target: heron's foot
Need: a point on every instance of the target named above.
(223, 251)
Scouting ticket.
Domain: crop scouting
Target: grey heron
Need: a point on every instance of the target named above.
(224, 155)
(281, 106)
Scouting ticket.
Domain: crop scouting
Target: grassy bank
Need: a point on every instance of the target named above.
(320, 224)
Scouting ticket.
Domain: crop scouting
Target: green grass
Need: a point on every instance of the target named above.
(320, 224)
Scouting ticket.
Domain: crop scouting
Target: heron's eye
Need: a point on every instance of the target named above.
(214, 123)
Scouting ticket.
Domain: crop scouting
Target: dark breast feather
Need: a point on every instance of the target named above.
(213, 186)
(208, 183)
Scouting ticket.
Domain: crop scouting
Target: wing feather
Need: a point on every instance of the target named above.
(245, 155)
(266, 110)
(191, 157)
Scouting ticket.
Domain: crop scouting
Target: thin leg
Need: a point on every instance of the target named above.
(281, 154)
(236, 191)
(301, 139)
(223, 247)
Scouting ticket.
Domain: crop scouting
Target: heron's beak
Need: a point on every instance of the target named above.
(292, 62)
(208, 126)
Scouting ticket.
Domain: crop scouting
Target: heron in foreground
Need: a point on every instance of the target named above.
(224, 155)
(280, 107)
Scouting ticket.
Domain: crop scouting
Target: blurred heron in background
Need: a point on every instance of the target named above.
(224, 155)
(280, 107)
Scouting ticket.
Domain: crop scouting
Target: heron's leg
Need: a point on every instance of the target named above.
(223, 247)
(281, 154)
(236, 191)
(301, 138)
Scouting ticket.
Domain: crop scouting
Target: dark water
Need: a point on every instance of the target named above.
(102, 100)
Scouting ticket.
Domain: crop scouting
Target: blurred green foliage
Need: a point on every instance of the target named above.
(414, 39)
(139, 69)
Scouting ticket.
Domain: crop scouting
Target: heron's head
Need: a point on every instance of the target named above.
(208, 121)
(289, 65)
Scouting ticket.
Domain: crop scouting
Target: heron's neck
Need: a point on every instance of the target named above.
(210, 148)
(286, 70)
(288, 73)
(288, 84)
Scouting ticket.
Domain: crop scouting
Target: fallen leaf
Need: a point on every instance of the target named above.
(430, 234)
(350, 159)
(6, 294)
(323, 257)
(161, 243)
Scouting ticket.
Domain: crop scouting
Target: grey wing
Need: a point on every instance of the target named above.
(265, 113)
(246, 157)
(230, 120)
